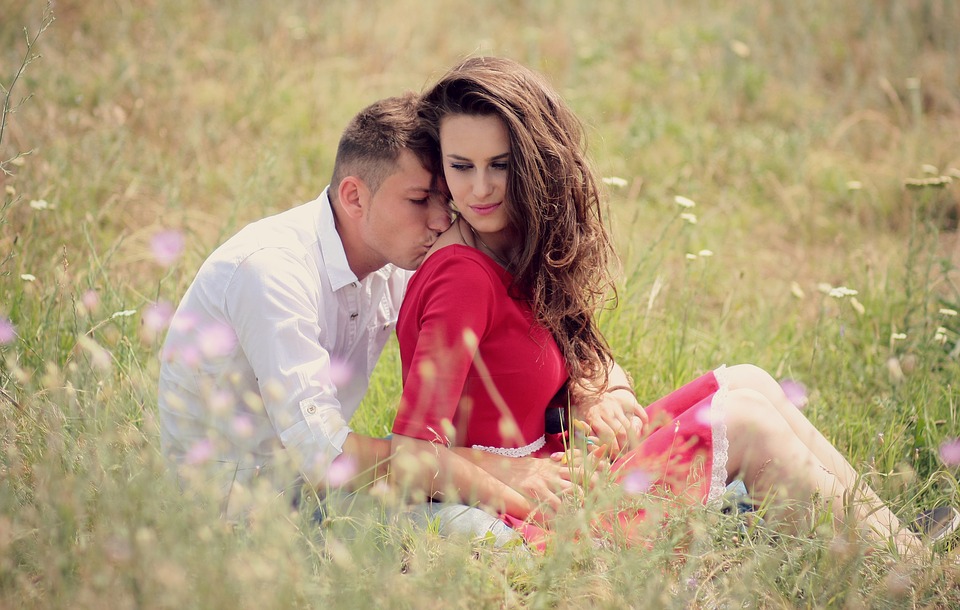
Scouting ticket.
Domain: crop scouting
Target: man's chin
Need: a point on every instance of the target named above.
(410, 265)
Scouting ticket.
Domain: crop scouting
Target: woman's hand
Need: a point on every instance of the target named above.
(615, 417)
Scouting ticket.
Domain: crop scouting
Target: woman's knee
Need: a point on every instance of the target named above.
(752, 377)
(757, 434)
(750, 415)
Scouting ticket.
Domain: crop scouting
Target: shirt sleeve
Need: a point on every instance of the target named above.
(274, 304)
(451, 314)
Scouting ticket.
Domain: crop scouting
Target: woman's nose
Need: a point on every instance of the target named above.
(482, 185)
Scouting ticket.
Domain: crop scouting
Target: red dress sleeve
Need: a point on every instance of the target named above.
(445, 314)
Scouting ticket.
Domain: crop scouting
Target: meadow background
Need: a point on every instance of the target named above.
(820, 142)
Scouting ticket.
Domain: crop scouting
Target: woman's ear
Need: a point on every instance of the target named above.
(353, 196)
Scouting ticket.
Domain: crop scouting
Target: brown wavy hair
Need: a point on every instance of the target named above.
(563, 265)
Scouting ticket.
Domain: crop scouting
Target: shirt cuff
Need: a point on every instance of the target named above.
(313, 447)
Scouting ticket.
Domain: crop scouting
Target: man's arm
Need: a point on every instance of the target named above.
(364, 459)
(539, 480)
(274, 305)
(441, 473)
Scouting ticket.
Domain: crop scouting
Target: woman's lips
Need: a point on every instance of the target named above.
(483, 210)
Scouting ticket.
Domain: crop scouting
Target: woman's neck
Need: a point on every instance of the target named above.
(493, 245)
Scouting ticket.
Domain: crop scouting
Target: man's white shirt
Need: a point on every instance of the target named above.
(270, 353)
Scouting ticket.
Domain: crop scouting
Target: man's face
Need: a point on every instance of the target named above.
(404, 217)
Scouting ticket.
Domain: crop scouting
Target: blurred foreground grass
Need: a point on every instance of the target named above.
(808, 134)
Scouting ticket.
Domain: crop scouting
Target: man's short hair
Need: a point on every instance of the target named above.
(373, 140)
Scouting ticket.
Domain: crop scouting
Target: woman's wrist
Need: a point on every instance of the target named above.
(621, 388)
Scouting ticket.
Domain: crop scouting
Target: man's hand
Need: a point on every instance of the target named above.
(543, 482)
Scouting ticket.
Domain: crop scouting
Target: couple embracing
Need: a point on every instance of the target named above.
(469, 219)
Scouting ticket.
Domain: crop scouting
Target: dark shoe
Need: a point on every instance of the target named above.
(937, 523)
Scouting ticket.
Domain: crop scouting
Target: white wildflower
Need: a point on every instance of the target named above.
(615, 181)
(39, 204)
(842, 291)
(126, 313)
(796, 290)
(898, 336)
(689, 217)
(691, 256)
(929, 169)
(854, 185)
(824, 287)
(705, 253)
(683, 202)
(944, 311)
(941, 335)
(28, 277)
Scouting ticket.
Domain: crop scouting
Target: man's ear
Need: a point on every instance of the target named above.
(353, 196)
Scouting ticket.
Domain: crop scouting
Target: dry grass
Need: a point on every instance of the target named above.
(794, 127)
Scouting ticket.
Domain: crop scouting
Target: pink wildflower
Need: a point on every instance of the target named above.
(156, 317)
(7, 331)
(340, 372)
(795, 391)
(216, 340)
(167, 246)
(950, 452)
(90, 300)
(200, 452)
(636, 482)
(341, 470)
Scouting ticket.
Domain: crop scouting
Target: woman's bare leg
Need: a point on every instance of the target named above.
(772, 458)
(750, 377)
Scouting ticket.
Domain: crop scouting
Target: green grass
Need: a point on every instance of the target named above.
(201, 116)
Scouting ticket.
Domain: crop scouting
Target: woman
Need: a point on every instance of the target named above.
(498, 325)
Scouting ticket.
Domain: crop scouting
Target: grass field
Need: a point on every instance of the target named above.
(819, 140)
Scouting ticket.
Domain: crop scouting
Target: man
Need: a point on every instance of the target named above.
(273, 344)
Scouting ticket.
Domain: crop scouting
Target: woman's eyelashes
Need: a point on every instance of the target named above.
(463, 167)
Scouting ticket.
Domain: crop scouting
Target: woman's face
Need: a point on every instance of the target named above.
(476, 161)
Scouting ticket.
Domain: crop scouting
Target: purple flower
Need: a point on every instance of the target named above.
(341, 470)
(340, 372)
(950, 452)
(795, 391)
(705, 415)
(7, 331)
(156, 316)
(636, 482)
(90, 300)
(243, 426)
(200, 452)
(217, 340)
(167, 246)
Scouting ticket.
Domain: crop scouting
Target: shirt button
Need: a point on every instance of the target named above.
(312, 409)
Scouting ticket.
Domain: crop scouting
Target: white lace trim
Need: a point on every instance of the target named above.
(721, 445)
(514, 452)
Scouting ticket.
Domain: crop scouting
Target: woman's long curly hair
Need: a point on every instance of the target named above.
(554, 194)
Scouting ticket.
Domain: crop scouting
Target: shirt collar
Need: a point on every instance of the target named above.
(331, 246)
